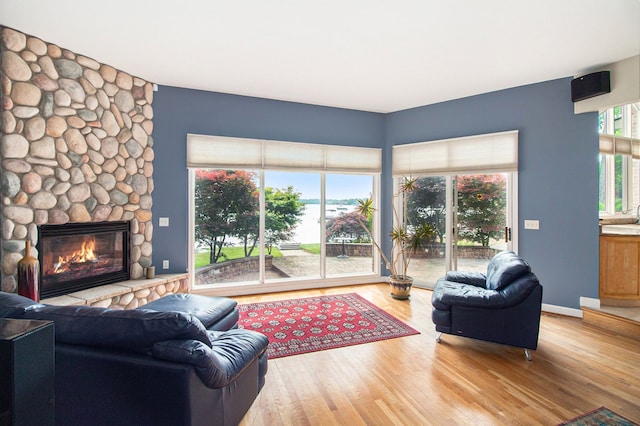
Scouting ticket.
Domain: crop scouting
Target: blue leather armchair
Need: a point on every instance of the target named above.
(502, 305)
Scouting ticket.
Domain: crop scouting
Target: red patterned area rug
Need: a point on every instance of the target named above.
(312, 324)
(599, 417)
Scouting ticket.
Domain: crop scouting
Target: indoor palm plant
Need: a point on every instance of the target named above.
(406, 238)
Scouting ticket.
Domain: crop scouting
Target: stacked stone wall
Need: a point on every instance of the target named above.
(140, 297)
(437, 250)
(76, 146)
(350, 249)
(231, 270)
(434, 250)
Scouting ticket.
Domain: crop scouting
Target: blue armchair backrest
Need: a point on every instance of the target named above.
(504, 268)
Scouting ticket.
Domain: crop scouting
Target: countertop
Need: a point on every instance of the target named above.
(621, 229)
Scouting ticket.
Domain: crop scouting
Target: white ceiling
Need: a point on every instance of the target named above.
(371, 55)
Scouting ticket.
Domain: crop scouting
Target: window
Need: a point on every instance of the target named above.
(466, 191)
(618, 165)
(269, 212)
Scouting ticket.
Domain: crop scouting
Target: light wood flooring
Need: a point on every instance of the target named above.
(415, 381)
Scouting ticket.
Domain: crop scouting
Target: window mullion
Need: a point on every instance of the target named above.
(261, 229)
(323, 226)
(610, 196)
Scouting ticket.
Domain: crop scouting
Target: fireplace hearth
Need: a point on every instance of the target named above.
(79, 256)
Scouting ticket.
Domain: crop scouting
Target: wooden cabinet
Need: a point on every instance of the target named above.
(620, 268)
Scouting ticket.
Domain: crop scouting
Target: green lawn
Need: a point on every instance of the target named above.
(311, 248)
(202, 258)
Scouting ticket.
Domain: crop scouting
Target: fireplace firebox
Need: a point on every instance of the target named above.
(78, 256)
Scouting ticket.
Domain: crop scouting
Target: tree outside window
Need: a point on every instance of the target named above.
(227, 207)
(481, 206)
(226, 203)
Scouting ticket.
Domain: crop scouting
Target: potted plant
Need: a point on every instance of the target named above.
(406, 239)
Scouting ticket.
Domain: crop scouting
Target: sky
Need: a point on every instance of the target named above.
(308, 184)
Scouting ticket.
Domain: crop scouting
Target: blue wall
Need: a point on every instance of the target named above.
(558, 182)
(180, 111)
(557, 160)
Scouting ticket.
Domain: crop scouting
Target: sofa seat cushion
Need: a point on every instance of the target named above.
(125, 329)
(208, 309)
(219, 365)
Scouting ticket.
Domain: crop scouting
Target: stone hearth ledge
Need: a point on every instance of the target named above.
(125, 294)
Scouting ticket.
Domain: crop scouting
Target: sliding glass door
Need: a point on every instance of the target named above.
(482, 220)
(472, 215)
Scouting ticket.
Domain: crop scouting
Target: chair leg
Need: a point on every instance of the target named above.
(438, 336)
(527, 354)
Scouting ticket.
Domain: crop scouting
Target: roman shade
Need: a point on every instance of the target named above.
(204, 151)
(611, 144)
(488, 153)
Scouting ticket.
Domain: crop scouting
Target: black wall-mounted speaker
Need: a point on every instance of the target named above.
(590, 85)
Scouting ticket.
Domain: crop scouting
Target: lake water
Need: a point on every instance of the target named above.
(308, 230)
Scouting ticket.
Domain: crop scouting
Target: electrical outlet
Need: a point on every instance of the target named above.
(531, 224)
(165, 264)
(163, 221)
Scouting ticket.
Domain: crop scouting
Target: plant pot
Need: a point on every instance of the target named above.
(400, 287)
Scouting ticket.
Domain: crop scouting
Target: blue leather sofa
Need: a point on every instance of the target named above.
(502, 305)
(179, 360)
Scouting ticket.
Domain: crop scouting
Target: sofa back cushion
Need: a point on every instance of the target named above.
(137, 329)
(504, 268)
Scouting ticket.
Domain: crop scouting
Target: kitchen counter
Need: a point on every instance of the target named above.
(626, 229)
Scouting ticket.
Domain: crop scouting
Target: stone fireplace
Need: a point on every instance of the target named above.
(76, 148)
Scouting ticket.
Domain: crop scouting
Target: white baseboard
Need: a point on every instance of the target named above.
(590, 302)
(562, 310)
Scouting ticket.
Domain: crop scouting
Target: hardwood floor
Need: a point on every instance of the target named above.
(415, 381)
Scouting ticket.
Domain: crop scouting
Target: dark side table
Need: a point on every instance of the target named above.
(27, 372)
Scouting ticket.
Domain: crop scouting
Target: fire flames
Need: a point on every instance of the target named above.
(83, 255)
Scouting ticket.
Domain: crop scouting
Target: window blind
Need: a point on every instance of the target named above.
(611, 144)
(494, 152)
(204, 151)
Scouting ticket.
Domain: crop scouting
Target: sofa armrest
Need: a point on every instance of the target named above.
(447, 294)
(231, 352)
(13, 305)
(477, 279)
